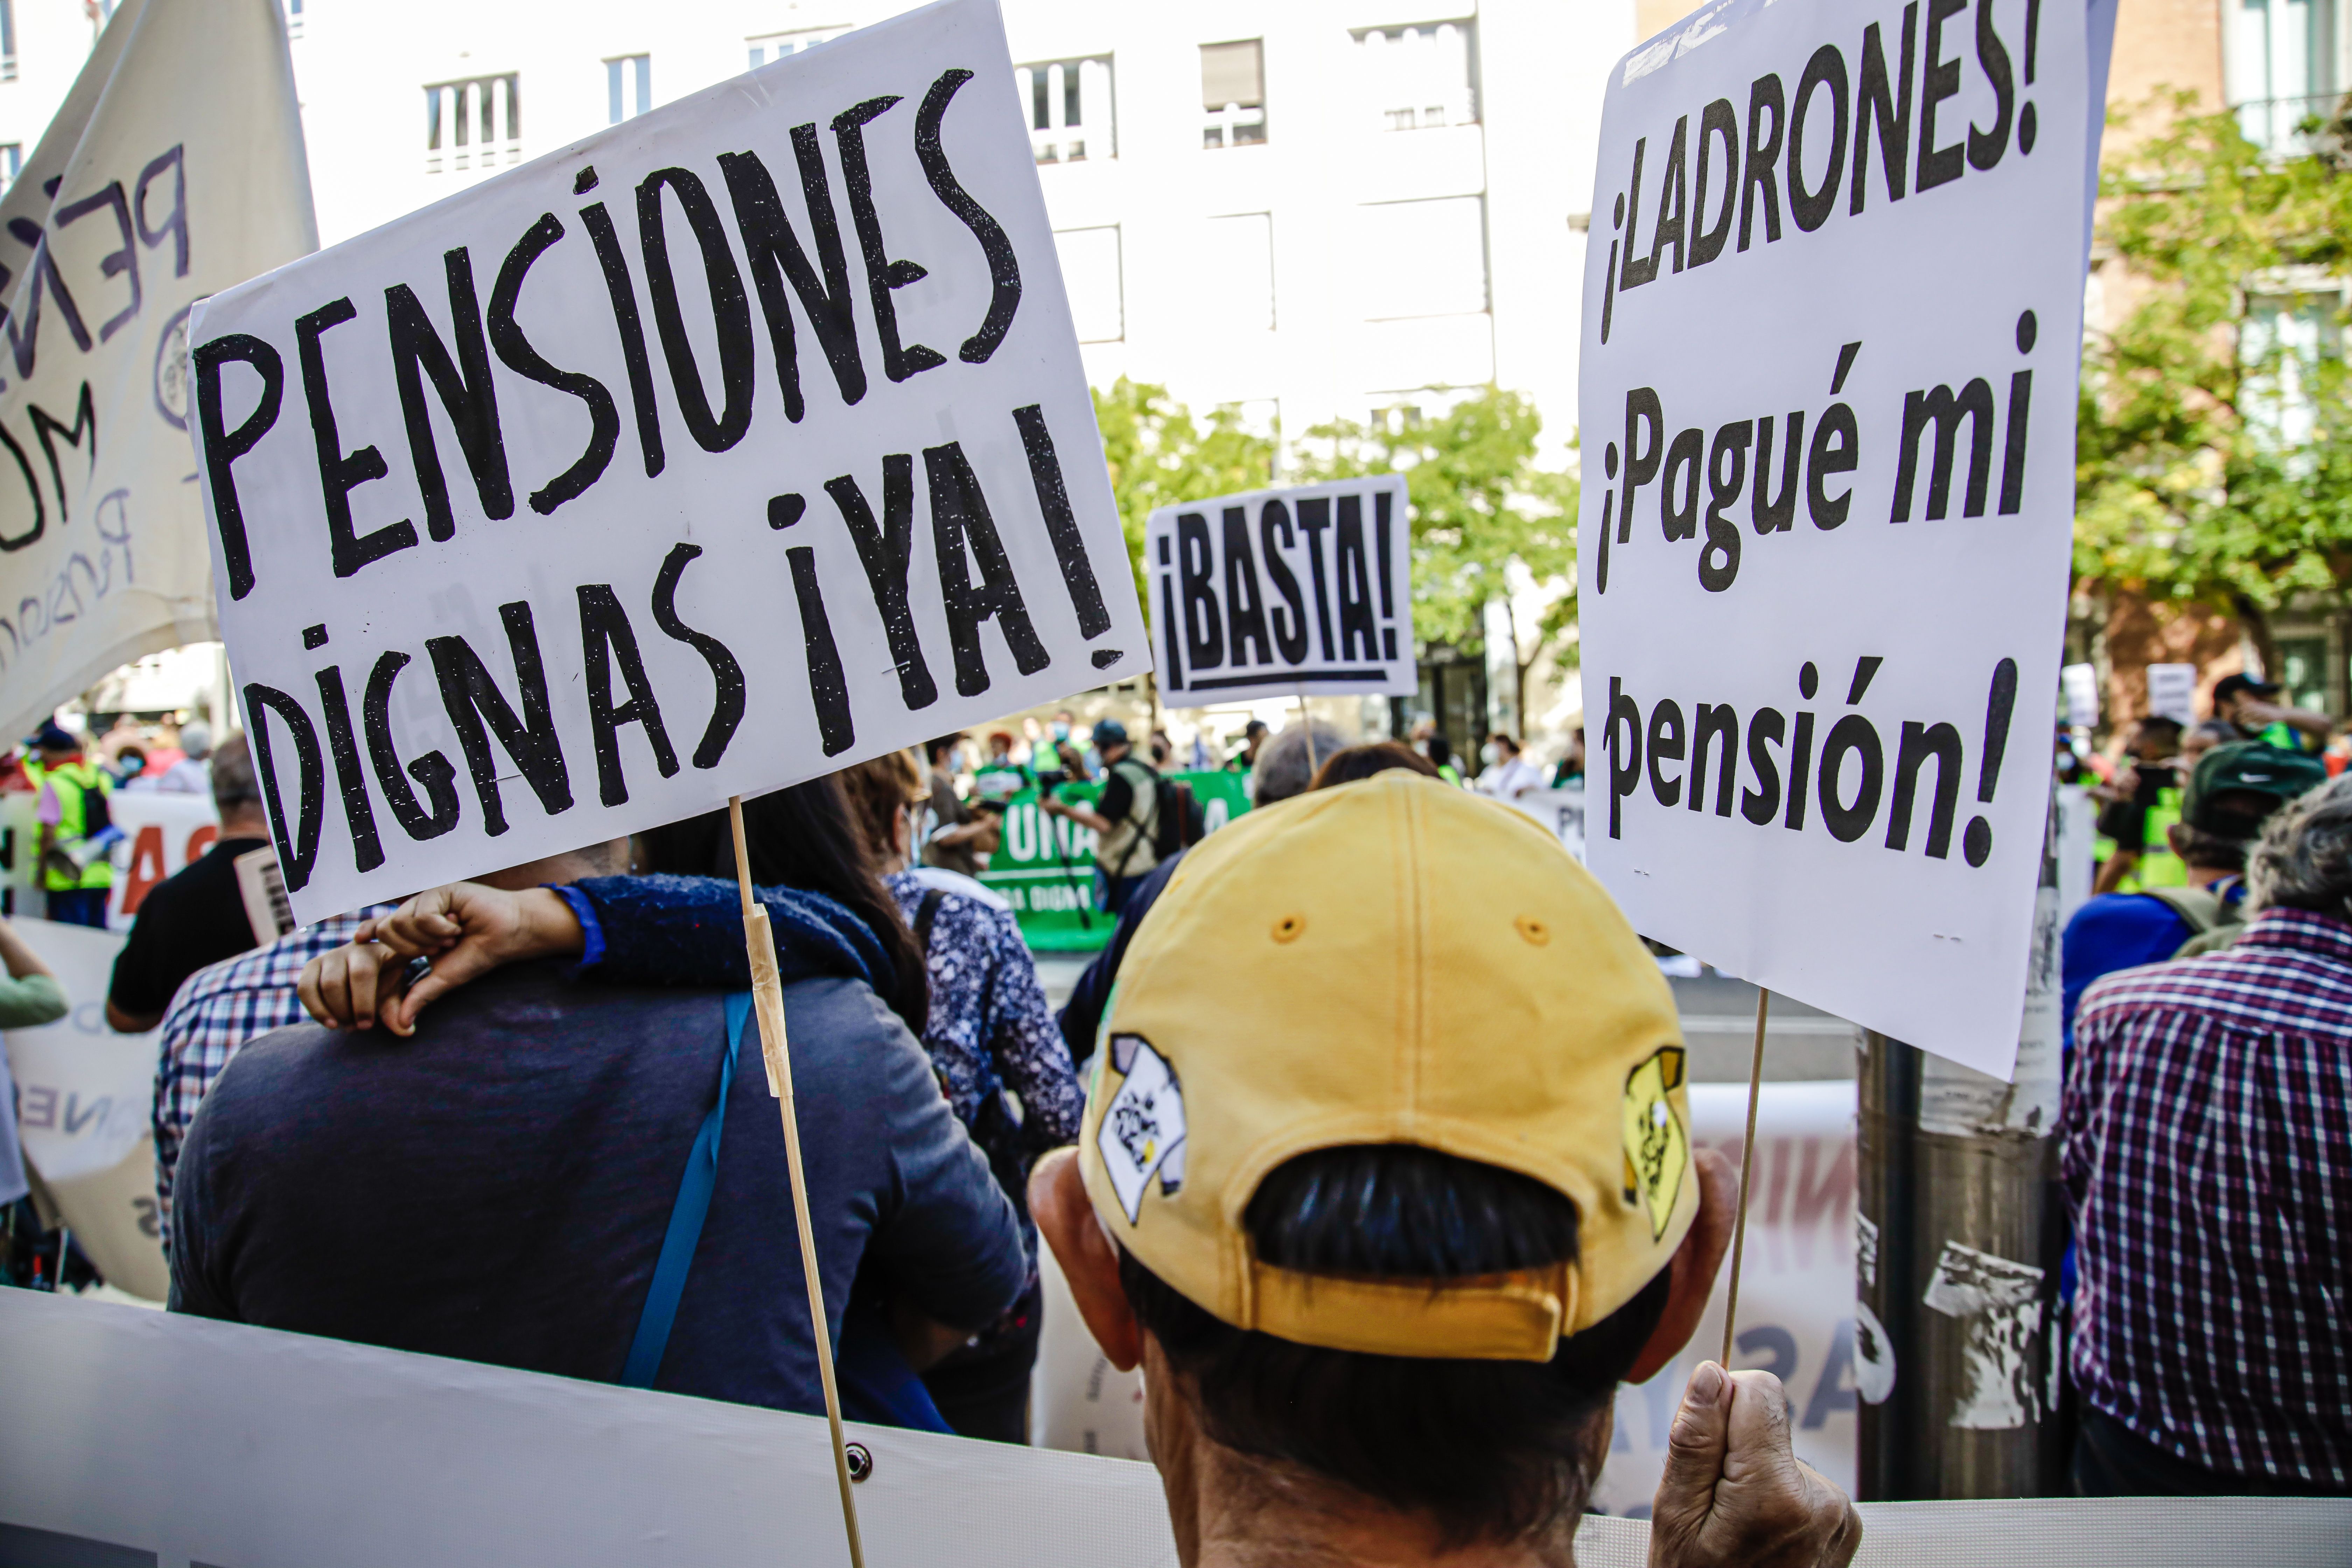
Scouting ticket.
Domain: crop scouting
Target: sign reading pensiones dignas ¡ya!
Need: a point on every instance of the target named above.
(1832, 313)
(1284, 593)
(727, 448)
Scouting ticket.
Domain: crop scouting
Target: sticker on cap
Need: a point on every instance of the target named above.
(1657, 1145)
(1142, 1131)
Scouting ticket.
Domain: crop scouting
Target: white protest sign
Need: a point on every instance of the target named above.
(1284, 593)
(725, 448)
(174, 168)
(84, 1099)
(1562, 811)
(1831, 349)
(2172, 692)
(2081, 682)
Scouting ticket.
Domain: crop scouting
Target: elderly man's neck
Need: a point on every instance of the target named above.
(1233, 1510)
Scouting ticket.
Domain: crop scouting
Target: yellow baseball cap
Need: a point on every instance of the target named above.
(1395, 961)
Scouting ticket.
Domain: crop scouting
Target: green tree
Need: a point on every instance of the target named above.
(1479, 504)
(2214, 436)
(1158, 454)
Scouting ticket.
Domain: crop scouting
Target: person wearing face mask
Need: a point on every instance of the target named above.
(1506, 771)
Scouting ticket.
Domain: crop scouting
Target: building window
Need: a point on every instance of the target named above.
(1090, 277)
(7, 40)
(473, 124)
(1233, 93)
(2281, 344)
(1069, 105)
(768, 47)
(1235, 273)
(12, 164)
(629, 86)
(1426, 259)
(1419, 78)
(2303, 671)
(293, 19)
(2279, 59)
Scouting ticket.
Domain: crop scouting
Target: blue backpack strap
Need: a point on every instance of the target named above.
(685, 1218)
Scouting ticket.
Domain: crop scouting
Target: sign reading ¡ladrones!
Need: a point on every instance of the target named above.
(1283, 592)
(1832, 315)
(727, 448)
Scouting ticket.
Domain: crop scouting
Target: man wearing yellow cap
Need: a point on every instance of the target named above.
(1384, 1277)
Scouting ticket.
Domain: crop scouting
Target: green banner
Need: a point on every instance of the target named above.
(1046, 865)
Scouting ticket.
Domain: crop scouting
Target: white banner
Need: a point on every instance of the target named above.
(1831, 350)
(135, 1437)
(161, 833)
(1284, 593)
(174, 169)
(84, 1099)
(727, 448)
(1560, 810)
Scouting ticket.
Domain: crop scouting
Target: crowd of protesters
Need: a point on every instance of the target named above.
(511, 1120)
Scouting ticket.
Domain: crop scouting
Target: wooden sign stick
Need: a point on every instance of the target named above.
(1746, 1165)
(767, 1002)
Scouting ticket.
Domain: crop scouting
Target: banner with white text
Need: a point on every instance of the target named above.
(1833, 322)
(724, 449)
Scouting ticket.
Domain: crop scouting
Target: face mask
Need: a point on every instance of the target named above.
(1061, 731)
(1490, 754)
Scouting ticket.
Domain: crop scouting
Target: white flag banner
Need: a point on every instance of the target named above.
(174, 169)
(84, 1099)
(727, 448)
(1284, 593)
(1831, 340)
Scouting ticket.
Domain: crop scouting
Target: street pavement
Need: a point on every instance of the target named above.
(1719, 1018)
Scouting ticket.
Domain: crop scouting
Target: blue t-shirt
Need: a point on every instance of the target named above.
(2121, 931)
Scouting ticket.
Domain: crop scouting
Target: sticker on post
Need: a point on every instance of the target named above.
(1142, 1131)
(1999, 1301)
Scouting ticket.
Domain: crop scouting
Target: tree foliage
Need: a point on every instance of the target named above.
(1479, 504)
(2214, 450)
(1160, 454)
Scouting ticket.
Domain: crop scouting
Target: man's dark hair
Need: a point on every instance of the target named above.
(1489, 1450)
(1363, 762)
(805, 838)
(2207, 851)
(2158, 723)
(934, 750)
(235, 787)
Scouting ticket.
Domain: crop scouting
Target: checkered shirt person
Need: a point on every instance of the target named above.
(2208, 1159)
(217, 1010)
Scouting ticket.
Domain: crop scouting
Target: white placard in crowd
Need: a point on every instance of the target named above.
(2172, 692)
(1833, 317)
(1284, 593)
(84, 1098)
(174, 168)
(2082, 687)
(726, 448)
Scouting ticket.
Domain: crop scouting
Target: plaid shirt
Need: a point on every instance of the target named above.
(216, 1011)
(2208, 1128)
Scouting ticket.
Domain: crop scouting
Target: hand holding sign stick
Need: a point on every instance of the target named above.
(768, 999)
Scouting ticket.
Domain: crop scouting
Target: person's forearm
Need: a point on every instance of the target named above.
(20, 959)
(32, 1001)
(1084, 818)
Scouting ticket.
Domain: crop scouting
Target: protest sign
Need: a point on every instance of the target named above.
(161, 833)
(174, 168)
(2172, 692)
(1833, 316)
(84, 1095)
(2081, 682)
(1562, 811)
(1284, 593)
(727, 448)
